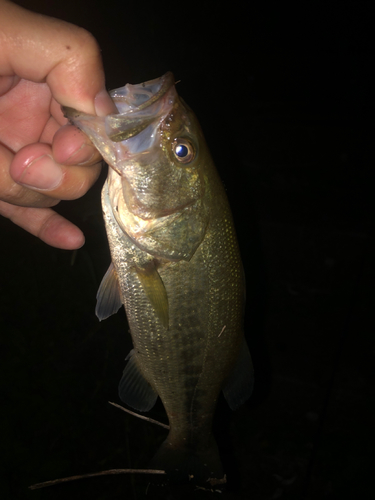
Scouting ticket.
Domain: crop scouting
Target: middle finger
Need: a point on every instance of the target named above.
(35, 169)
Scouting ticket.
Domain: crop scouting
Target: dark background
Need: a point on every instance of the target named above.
(285, 96)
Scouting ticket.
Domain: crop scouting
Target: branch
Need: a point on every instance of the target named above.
(102, 473)
(140, 416)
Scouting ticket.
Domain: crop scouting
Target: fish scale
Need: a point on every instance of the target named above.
(176, 267)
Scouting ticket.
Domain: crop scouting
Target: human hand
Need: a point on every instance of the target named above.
(45, 63)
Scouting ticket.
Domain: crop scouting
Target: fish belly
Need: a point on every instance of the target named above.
(187, 363)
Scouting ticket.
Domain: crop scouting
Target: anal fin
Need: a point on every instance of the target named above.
(134, 390)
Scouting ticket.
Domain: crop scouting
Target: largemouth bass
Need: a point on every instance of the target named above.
(175, 266)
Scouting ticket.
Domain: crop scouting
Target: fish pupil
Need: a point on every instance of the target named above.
(181, 151)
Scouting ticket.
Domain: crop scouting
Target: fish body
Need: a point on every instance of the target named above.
(176, 267)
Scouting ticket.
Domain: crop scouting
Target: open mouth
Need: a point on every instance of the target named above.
(139, 107)
(139, 96)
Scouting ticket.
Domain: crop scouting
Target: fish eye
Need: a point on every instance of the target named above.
(183, 150)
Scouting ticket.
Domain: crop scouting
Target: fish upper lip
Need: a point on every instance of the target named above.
(126, 97)
(167, 81)
(137, 113)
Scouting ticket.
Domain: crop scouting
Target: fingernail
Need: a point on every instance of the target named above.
(42, 173)
(81, 156)
(104, 104)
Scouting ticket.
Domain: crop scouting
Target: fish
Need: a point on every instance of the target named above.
(177, 269)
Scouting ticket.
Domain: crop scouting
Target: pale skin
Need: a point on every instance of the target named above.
(46, 63)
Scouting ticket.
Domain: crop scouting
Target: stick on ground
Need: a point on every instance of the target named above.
(152, 421)
(94, 474)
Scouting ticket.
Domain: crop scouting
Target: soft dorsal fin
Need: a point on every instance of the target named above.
(155, 291)
(133, 389)
(108, 298)
(239, 385)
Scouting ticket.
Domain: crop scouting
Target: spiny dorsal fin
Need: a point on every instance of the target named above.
(108, 298)
(133, 389)
(155, 291)
(239, 385)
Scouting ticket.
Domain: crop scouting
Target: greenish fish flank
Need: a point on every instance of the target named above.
(175, 266)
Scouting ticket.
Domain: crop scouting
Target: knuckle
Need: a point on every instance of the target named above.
(86, 44)
(80, 181)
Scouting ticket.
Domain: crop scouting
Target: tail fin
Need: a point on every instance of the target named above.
(183, 464)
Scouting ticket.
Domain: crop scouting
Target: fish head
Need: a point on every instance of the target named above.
(156, 151)
(159, 143)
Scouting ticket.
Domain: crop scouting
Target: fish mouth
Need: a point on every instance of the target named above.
(139, 106)
(142, 95)
(137, 135)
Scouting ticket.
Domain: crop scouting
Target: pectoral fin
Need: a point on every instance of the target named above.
(108, 298)
(133, 389)
(239, 384)
(155, 291)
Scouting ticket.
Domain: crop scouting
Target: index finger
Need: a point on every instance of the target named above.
(44, 49)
